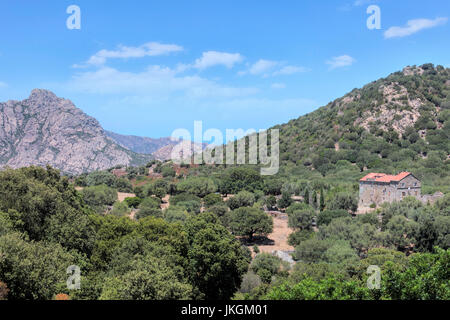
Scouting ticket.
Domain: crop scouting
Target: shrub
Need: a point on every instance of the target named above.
(297, 237)
(250, 281)
(242, 199)
(326, 216)
(247, 221)
(183, 197)
(198, 186)
(266, 266)
(344, 201)
(168, 171)
(120, 209)
(212, 199)
(175, 214)
(99, 196)
(301, 219)
(149, 212)
(285, 200)
(133, 202)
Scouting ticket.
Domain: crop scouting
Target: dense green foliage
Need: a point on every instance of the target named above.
(190, 246)
(248, 221)
(426, 277)
(45, 227)
(99, 197)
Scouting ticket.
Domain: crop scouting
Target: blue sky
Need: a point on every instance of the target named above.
(149, 67)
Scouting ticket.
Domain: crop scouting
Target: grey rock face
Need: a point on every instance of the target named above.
(284, 255)
(142, 145)
(45, 129)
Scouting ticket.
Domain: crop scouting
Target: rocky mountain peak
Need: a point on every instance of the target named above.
(42, 94)
(45, 98)
(45, 129)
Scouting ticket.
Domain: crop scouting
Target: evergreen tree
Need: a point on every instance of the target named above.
(322, 200)
(306, 196)
(314, 199)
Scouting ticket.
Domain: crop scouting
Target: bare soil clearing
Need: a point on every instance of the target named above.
(122, 195)
(280, 235)
(278, 239)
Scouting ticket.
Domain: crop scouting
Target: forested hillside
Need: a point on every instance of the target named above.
(398, 123)
(45, 227)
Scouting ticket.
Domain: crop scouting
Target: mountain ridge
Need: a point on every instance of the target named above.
(45, 129)
(140, 144)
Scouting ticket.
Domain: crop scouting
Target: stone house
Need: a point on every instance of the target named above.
(376, 188)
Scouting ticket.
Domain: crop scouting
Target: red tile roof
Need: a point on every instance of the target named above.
(382, 177)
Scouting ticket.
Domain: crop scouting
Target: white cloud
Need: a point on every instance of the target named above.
(262, 66)
(123, 52)
(359, 3)
(3, 84)
(286, 70)
(268, 68)
(341, 61)
(213, 58)
(356, 3)
(413, 26)
(278, 85)
(156, 81)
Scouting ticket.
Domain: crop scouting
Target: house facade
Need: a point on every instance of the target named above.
(376, 188)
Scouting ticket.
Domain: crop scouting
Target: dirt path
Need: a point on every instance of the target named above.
(279, 236)
(133, 214)
(165, 204)
(122, 195)
(364, 210)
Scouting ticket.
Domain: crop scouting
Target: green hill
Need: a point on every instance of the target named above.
(397, 123)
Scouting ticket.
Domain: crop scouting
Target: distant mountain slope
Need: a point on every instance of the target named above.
(140, 144)
(45, 129)
(160, 149)
(165, 153)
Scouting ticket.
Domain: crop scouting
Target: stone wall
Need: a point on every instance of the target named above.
(375, 192)
(371, 192)
(407, 187)
(431, 198)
